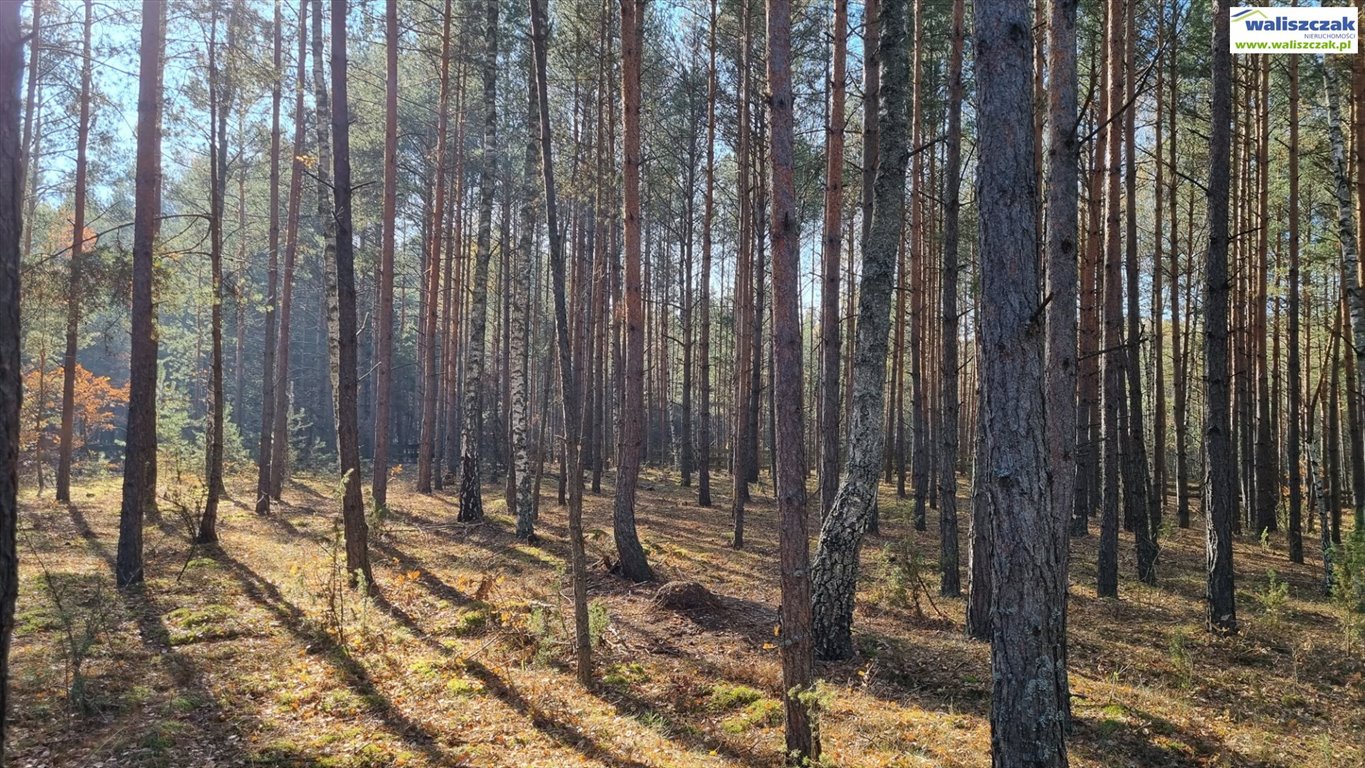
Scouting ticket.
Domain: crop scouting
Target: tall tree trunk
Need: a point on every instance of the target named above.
(1060, 252)
(630, 442)
(383, 371)
(11, 375)
(1178, 364)
(950, 582)
(1221, 499)
(267, 435)
(139, 463)
(74, 286)
(830, 261)
(704, 281)
(471, 495)
(1294, 385)
(568, 390)
(221, 87)
(1267, 461)
(1028, 658)
(431, 375)
(834, 575)
(279, 449)
(1114, 356)
(520, 333)
(348, 428)
(322, 116)
(798, 662)
(1350, 255)
(1137, 480)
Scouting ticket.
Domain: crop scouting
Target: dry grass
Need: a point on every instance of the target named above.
(461, 661)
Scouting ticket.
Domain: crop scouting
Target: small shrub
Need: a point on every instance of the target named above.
(1274, 599)
(598, 619)
(1180, 657)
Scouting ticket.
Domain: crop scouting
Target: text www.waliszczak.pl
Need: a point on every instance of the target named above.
(1292, 45)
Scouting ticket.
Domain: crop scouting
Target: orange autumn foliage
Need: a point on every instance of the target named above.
(97, 402)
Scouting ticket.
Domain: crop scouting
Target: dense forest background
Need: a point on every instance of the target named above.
(714, 353)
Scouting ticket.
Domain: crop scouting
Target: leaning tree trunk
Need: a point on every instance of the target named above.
(834, 576)
(11, 376)
(471, 496)
(348, 429)
(139, 463)
(75, 287)
(1028, 644)
(1221, 497)
(630, 443)
(568, 390)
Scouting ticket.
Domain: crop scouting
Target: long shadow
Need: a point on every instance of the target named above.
(1149, 742)
(631, 705)
(354, 675)
(156, 638)
(546, 722)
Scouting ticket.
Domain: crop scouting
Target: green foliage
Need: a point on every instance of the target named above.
(86, 613)
(1348, 586)
(1180, 657)
(903, 575)
(725, 697)
(598, 620)
(763, 712)
(1274, 598)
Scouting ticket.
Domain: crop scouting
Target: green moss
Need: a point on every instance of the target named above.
(725, 697)
(763, 712)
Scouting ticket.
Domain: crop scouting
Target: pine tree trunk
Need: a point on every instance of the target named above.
(834, 574)
(431, 375)
(704, 281)
(348, 428)
(75, 287)
(322, 116)
(568, 378)
(1295, 384)
(1221, 497)
(798, 662)
(950, 581)
(1028, 659)
(1114, 356)
(139, 467)
(266, 438)
(220, 104)
(830, 261)
(11, 375)
(279, 448)
(630, 443)
(384, 334)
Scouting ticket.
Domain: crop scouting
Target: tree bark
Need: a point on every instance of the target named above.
(348, 428)
(950, 581)
(383, 371)
(74, 286)
(139, 465)
(431, 375)
(1221, 497)
(471, 495)
(1114, 357)
(266, 439)
(630, 442)
(830, 332)
(519, 331)
(834, 575)
(279, 448)
(798, 662)
(1028, 659)
(11, 374)
(568, 382)
(1294, 437)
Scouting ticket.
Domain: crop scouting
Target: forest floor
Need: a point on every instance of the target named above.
(250, 654)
